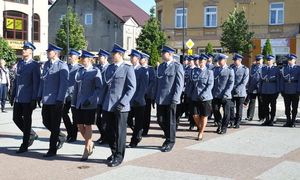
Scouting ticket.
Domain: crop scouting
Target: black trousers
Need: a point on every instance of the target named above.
(269, 100)
(191, 106)
(166, 118)
(216, 105)
(147, 116)
(291, 100)
(71, 127)
(181, 108)
(101, 123)
(236, 109)
(22, 116)
(51, 115)
(116, 132)
(251, 106)
(138, 123)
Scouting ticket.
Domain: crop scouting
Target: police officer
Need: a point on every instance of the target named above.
(290, 84)
(52, 91)
(269, 89)
(87, 88)
(138, 102)
(241, 77)
(223, 85)
(210, 60)
(71, 127)
(253, 86)
(120, 84)
(150, 92)
(203, 82)
(101, 124)
(24, 95)
(182, 107)
(188, 89)
(170, 82)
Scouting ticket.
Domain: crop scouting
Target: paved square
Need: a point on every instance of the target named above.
(285, 170)
(143, 173)
(255, 141)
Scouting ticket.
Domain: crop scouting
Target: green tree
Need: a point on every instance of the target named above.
(267, 50)
(236, 37)
(151, 38)
(76, 36)
(209, 48)
(6, 52)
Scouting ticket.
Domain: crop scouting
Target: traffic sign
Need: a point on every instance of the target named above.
(190, 52)
(189, 44)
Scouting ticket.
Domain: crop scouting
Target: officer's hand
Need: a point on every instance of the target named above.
(135, 103)
(39, 104)
(201, 98)
(33, 104)
(153, 104)
(68, 99)
(86, 103)
(11, 101)
(59, 105)
(119, 107)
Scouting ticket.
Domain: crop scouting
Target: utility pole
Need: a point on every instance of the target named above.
(32, 22)
(68, 28)
(183, 28)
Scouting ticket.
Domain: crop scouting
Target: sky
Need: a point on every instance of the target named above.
(146, 5)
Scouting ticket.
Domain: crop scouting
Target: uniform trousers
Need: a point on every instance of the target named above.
(71, 127)
(291, 100)
(251, 106)
(51, 115)
(221, 121)
(100, 122)
(236, 110)
(3, 95)
(166, 117)
(116, 132)
(269, 100)
(137, 113)
(147, 116)
(22, 117)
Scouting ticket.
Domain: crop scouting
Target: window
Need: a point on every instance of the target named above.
(36, 27)
(15, 25)
(180, 16)
(276, 13)
(88, 19)
(210, 16)
(19, 1)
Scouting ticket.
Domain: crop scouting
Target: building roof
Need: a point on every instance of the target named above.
(126, 8)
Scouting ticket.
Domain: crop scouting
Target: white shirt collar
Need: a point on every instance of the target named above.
(119, 63)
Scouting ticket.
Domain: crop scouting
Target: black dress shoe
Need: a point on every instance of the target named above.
(237, 126)
(222, 132)
(50, 154)
(32, 138)
(132, 145)
(101, 141)
(114, 163)
(4, 111)
(22, 149)
(71, 139)
(110, 159)
(167, 148)
(61, 142)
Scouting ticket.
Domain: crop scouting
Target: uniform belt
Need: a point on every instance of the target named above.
(291, 81)
(270, 81)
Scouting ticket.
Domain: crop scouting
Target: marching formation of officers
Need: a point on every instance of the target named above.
(114, 96)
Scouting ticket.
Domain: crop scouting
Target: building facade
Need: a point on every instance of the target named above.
(277, 20)
(25, 20)
(105, 22)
